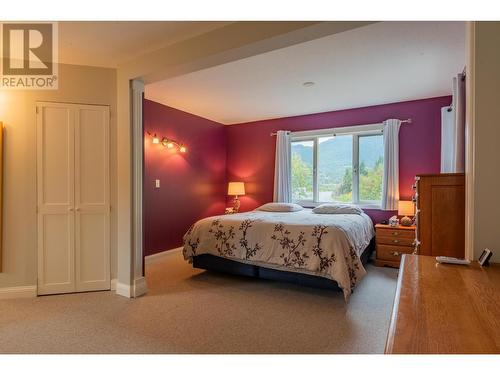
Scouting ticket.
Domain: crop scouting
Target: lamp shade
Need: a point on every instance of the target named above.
(236, 188)
(406, 208)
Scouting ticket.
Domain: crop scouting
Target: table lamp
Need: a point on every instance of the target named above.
(236, 189)
(405, 209)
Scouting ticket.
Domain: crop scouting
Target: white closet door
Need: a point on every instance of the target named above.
(92, 203)
(55, 170)
(73, 198)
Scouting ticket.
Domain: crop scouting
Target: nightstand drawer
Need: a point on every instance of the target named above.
(396, 241)
(392, 243)
(396, 233)
(393, 253)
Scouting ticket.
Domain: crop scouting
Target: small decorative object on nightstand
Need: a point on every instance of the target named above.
(394, 221)
(236, 188)
(392, 243)
(229, 211)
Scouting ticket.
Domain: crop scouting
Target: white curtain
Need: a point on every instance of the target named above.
(283, 168)
(390, 183)
(447, 137)
(453, 130)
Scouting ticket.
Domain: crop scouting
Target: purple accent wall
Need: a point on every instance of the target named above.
(251, 150)
(193, 185)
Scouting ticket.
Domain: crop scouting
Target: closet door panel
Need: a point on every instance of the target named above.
(92, 242)
(56, 133)
(92, 157)
(92, 198)
(55, 198)
(57, 256)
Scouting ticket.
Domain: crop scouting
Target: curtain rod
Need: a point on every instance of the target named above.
(407, 121)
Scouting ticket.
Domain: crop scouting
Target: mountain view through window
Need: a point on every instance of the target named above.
(336, 163)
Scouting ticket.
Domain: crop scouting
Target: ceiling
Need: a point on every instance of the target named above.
(376, 64)
(108, 44)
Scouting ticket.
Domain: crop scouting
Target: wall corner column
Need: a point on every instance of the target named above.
(131, 281)
(469, 140)
(137, 91)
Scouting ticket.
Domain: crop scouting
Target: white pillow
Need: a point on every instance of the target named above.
(280, 207)
(334, 208)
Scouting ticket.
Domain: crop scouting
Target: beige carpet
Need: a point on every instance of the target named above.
(194, 311)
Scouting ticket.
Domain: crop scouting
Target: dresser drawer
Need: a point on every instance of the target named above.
(393, 253)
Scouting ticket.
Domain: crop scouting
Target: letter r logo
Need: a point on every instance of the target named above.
(27, 48)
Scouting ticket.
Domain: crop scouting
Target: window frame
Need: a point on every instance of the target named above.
(356, 132)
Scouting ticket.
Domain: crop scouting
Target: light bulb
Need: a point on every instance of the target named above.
(170, 145)
(182, 149)
(156, 140)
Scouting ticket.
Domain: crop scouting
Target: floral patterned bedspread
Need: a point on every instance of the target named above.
(317, 244)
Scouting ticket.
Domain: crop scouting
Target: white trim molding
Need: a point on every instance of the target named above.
(140, 287)
(164, 254)
(123, 290)
(360, 129)
(27, 291)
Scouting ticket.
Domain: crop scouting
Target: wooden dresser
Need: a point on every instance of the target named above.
(440, 214)
(392, 243)
(445, 308)
(1, 191)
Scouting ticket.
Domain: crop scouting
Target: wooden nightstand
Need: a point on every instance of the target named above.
(392, 243)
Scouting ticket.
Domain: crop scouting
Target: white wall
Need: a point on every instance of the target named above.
(77, 84)
(485, 126)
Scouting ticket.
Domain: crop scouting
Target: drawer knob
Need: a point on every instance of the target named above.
(395, 241)
(395, 233)
(395, 253)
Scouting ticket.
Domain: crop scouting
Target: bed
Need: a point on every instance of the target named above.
(313, 249)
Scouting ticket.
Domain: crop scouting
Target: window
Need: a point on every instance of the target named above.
(335, 168)
(338, 165)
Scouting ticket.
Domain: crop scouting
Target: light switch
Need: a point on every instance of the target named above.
(157, 184)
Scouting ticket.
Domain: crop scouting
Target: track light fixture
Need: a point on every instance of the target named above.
(168, 143)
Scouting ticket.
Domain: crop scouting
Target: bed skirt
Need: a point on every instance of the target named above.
(214, 263)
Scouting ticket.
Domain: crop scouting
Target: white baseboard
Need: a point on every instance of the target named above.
(163, 254)
(140, 287)
(28, 291)
(124, 290)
